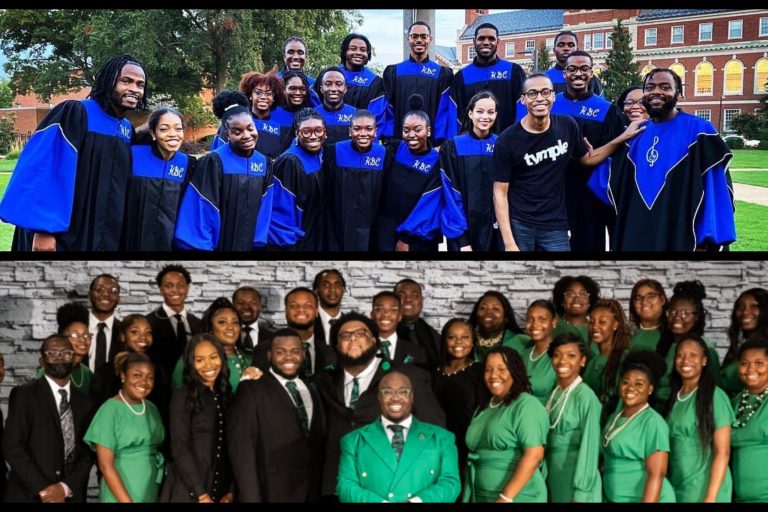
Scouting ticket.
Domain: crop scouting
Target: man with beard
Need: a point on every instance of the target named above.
(565, 43)
(363, 85)
(487, 72)
(81, 153)
(398, 458)
(387, 313)
(104, 294)
(349, 391)
(329, 287)
(332, 86)
(413, 327)
(275, 430)
(172, 325)
(671, 187)
(43, 441)
(253, 332)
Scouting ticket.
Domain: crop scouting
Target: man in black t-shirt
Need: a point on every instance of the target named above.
(531, 158)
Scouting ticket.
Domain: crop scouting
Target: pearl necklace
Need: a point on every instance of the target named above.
(72, 377)
(611, 432)
(532, 359)
(563, 398)
(143, 404)
(744, 406)
(688, 396)
(493, 405)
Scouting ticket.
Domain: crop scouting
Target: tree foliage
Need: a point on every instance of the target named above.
(6, 94)
(7, 132)
(542, 59)
(621, 71)
(752, 126)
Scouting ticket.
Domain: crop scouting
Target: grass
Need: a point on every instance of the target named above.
(7, 165)
(759, 178)
(749, 159)
(6, 230)
(751, 227)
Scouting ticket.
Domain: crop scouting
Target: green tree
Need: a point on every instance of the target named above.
(6, 94)
(621, 70)
(7, 132)
(752, 126)
(542, 60)
(196, 115)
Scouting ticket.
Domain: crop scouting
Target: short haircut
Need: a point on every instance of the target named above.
(385, 293)
(407, 280)
(537, 75)
(297, 290)
(352, 317)
(486, 25)
(173, 267)
(757, 343)
(319, 277)
(420, 23)
(362, 113)
(246, 289)
(566, 33)
(52, 337)
(106, 276)
(286, 332)
(294, 39)
(580, 53)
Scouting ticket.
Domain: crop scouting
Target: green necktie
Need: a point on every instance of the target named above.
(385, 349)
(306, 365)
(398, 440)
(300, 409)
(355, 393)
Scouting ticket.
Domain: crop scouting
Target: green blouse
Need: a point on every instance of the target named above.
(749, 453)
(540, 373)
(645, 339)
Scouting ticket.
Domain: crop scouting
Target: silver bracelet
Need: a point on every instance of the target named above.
(505, 498)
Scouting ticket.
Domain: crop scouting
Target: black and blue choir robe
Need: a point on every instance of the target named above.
(337, 122)
(71, 180)
(154, 195)
(600, 121)
(466, 164)
(504, 79)
(429, 79)
(362, 87)
(411, 201)
(298, 203)
(670, 188)
(353, 184)
(271, 136)
(227, 203)
(284, 119)
(555, 73)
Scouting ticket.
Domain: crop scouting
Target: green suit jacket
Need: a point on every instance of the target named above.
(369, 471)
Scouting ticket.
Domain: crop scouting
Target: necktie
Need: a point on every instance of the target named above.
(300, 409)
(67, 429)
(306, 365)
(398, 440)
(385, 349)
(181, 333)
(101, 346)
(247, 340)
(355, 393)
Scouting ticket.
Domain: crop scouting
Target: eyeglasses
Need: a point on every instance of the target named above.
(318, 131)
(114, 290)
(293, 90)
(630, 103)
(650, 297)
(382, 309)
(533, 93)
(401, 393)
(574, 69)
(358, 334)
(76, 336)
(419, 36)
(59, 354)
(263, 94)
(573, 295)
(682, 313)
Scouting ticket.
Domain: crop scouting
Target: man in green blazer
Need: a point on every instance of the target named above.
(398, 458)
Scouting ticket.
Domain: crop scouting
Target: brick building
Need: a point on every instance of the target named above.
(721, 54)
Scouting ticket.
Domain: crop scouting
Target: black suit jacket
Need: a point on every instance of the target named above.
(34, 446)
(341, 419)
(324, 357)
(273, 459)
(165, 352)
(115, 346)
(409, 353)
(423, 335)
(266, 333)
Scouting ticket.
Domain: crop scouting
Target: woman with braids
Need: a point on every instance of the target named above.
(506, 437)
(573, 443)
(494, 324)
(749, 438)
(80, 154)
(72, 319)
(686, 316)
(200, 470)
(265, 92)
(160, 173)
(540, 323)
(699, 420)
(648, 307)
(608, 334)
(748, 320)
(573, 298)
(635, 440)
(226, 205)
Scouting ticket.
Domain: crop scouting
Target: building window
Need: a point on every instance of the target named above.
(734, 77)
(677, 35)
(704, 76)
(735, 29)
(761, 76)
(705, 31)
(650, 37)
(646, 69)
(763, 27)
(679, 70)
(608, 40)
(704, 114)
(587, 42)
(728, 115)
(509, 50)
(530, 45)
(550, 43)
(472, 52)
(597, 41)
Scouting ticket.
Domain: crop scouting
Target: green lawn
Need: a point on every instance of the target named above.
(7, 165)
(6, 230)
(759, 178)
(749, 159)
(751, 227)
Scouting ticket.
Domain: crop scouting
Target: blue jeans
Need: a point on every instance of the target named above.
(530, 238)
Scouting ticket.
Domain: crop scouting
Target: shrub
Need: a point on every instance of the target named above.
(193, 148)
(7, 133)
(734, 143)
(763, 145)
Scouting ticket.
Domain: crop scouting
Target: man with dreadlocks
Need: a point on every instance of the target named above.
(68, 190)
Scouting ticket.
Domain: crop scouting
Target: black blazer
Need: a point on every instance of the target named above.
(341, 419)
(409, 353)
(34, 446)
(164, 351)
(266, 333)
(425, 336)
(194, 450)
(273, 459)
(114, 345)
(324, 357)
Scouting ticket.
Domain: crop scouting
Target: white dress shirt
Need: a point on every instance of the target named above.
(306, 396)
(364, 379)
(172, 317)
(325, 319)
(93, 328)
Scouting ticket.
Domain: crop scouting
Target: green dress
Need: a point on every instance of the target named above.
(81, 377)
(573, 448)
(665, 388)
(236, 363)
(645, 339)
(582, 330)
(496, 439)
(624, 456)
(749, 453)
(135, 440)
(540, 373)
(593, 373)
(689, 469)
(516, 341)
(729, 380)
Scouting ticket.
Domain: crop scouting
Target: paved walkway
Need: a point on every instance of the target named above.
(751, 193)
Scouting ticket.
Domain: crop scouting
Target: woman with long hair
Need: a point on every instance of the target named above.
(648, 307)
(540, 323)
(494, 324)
(749, 319)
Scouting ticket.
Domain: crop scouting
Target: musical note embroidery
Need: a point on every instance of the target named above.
(651, 156)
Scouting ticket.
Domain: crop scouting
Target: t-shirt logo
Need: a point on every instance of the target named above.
(551, 152)
(176, 171)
